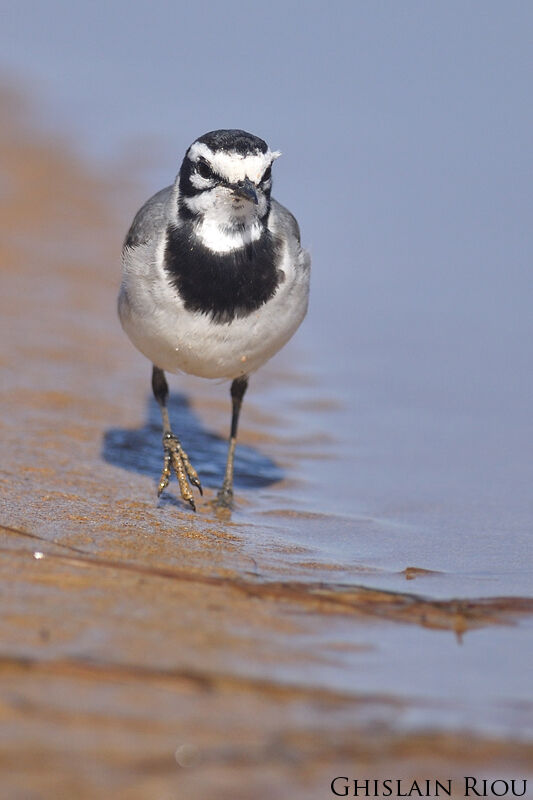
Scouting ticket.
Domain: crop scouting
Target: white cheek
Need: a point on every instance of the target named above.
(201, 183)
(202, 203)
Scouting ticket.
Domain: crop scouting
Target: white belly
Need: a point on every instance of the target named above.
(178, 340)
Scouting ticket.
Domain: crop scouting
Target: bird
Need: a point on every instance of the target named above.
(214, 282)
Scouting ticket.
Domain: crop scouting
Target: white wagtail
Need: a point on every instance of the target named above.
(214, 280)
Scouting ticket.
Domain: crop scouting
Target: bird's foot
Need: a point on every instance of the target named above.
(225, 497)
(177, 459)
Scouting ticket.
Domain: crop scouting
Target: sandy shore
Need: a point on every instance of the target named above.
(145, 653)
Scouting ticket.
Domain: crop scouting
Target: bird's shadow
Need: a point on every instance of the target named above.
(140, 449)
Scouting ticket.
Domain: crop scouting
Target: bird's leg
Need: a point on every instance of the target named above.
(238, 388)
(174, 456)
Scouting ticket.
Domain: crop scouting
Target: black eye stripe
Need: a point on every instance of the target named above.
(267, 174)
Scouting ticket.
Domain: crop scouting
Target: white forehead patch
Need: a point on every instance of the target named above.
(233, 166)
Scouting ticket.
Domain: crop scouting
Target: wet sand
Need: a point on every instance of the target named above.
(150, 653)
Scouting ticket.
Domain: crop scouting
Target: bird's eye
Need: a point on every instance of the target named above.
(203, 169)
(266, 175)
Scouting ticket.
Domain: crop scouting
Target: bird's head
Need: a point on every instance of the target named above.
(224, 187)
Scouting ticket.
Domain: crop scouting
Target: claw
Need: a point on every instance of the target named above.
(196, 482)
(163, 483)
(165, 475)
(191, 472)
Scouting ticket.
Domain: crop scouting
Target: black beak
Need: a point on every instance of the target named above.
(245, 189)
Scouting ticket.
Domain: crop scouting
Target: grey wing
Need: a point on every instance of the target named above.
(149, 220)
(287, 225)
(286, 220)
